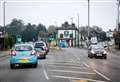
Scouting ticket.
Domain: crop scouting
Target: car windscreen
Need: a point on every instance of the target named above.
(39, 45)
(98, 48)
(23, 48)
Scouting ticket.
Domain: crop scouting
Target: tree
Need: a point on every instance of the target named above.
(52, 29)
(15, 27)
(94, 31)
(29, 33)
(41, 27)
(42, 34)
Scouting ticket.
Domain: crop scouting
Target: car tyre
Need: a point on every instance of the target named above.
(105, 57)
(45, 57)
(90, 56)
(12, 66)
(35, 65)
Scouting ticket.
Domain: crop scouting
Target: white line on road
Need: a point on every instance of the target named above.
(105, 77)
(86, 65)
(75, 78)
(65, 71)
(68, 67)
(45, 73)
(67, 64)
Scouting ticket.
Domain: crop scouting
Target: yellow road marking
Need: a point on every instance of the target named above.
(81, 81)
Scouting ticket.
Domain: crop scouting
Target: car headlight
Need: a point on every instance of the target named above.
(92, 52)
(104, 52)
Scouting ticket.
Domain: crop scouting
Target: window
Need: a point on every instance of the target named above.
(61, 35)
(71, 35)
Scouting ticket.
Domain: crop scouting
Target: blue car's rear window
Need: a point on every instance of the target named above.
(23, 48)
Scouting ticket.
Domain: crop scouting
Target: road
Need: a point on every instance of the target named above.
(66, 65)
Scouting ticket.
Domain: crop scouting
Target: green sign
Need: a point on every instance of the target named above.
(19, 39)
(66, 33)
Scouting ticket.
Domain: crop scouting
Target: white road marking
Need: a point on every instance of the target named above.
(45, 73)
(67, 64)
(68, 67)
(75, 78)
(65, 71)
(86, 65)
(105, 77)
(76, 57)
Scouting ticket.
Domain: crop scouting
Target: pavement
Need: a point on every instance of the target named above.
(4, 53)
(65, 65)
(116, 51)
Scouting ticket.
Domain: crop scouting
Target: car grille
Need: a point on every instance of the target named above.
(98, 52)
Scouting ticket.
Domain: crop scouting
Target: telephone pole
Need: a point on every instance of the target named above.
(78, 29)
(4, 31)
(88, 21)
(118, 5)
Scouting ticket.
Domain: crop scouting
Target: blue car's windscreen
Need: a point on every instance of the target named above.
(23, 48)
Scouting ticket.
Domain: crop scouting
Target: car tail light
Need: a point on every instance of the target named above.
(13, 53)
(45, 48)
(33, 53)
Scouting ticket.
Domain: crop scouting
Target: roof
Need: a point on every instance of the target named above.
(63, 28)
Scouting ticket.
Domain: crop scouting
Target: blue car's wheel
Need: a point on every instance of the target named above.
(35, 65)
(12, 66)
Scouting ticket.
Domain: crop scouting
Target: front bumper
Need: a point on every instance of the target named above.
(99, 55)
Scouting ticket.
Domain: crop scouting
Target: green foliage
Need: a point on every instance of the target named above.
(41, 27)
(15, 27)
(28, 32)
(42, 34)
(52, 29)
(94, 31)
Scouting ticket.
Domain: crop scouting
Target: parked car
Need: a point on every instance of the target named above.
(41, 53)
(43, 45)
(23, 54)
(97, 50)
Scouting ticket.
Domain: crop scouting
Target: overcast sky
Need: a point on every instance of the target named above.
(103, 13)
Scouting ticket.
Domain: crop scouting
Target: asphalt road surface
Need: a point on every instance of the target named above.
(66, 65)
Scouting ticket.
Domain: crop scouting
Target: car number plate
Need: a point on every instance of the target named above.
(99, 54)
(23, 60)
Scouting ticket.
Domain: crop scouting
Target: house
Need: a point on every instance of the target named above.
(67, 35)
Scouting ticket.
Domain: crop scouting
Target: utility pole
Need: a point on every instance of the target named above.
(78, 29)
(88, 21)
(118, 5)
(4, 2)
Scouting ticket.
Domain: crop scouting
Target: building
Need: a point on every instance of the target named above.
(68, 35)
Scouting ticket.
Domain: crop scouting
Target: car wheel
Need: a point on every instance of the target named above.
(35, 65)
(91, 56)
(88, 55)
(105, 57)
(12, 66)
(45, 57)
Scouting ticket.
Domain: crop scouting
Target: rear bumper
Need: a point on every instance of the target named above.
(17, 61)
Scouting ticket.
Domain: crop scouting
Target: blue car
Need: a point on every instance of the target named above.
(23, 54)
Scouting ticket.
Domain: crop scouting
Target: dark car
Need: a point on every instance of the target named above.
(42, 45)
(41, 53)
(97, 50)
